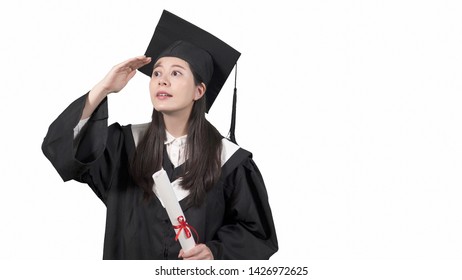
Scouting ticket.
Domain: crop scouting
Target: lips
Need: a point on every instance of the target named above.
(163, 94)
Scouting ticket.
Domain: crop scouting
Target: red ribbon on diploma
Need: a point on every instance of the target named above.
(186, 227)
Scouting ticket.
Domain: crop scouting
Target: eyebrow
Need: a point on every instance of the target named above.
(174, 65)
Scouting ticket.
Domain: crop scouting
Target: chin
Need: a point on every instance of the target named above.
(164, 109)
(159, 107)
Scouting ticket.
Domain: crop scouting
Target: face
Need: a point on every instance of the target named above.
(172, 87)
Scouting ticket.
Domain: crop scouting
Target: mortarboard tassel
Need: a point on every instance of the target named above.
(231, 134)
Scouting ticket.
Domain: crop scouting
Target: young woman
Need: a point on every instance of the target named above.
(219, 187)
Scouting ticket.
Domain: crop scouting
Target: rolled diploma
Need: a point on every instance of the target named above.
(171, 204)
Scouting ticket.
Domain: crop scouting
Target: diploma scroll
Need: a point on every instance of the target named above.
(174, 211)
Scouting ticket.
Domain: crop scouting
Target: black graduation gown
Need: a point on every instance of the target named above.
(235, 220)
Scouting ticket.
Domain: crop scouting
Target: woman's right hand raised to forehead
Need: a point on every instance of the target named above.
(114, 81)
(120, 74)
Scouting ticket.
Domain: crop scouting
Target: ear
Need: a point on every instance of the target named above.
(200, 91)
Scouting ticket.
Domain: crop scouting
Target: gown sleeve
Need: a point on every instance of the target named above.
(248, 231)
(93, 156)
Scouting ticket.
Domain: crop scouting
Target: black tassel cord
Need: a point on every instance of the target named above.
(232, 129)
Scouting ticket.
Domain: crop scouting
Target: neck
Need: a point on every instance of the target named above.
(176, 124)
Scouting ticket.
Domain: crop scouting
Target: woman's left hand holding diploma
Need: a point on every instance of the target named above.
(199, 252)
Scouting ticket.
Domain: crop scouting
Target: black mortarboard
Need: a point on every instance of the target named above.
(175, 36)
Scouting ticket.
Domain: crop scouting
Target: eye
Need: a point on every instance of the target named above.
(176, 73)
(156, 73)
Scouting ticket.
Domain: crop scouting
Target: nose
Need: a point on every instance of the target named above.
(162, 81)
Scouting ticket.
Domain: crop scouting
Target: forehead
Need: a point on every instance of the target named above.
(171, 61)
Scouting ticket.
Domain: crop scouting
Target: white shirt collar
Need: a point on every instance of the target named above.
(179, 141)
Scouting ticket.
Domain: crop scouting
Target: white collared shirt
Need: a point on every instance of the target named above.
(176, 149)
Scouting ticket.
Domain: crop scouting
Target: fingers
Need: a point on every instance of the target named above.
(139, 62)
(199, 252)
(116, 79)
(133, 63)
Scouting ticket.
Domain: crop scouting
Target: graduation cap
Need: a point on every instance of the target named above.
(210, 57)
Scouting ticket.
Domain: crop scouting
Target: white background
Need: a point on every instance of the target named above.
(350, 108)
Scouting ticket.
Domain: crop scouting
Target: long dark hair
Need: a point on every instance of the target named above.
(202, 167)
